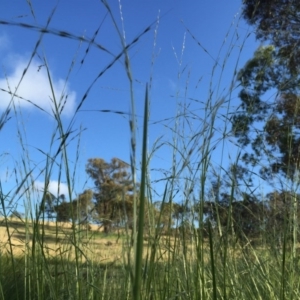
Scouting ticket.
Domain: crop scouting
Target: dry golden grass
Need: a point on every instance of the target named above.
(57, 239)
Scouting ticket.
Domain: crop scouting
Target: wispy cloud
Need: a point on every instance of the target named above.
(56, 188)
(4, 42)
(172, 85)
(35, 89)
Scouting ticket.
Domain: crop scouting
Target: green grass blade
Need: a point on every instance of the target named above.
(139, 250)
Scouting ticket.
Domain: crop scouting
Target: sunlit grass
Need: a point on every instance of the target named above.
(251, 272)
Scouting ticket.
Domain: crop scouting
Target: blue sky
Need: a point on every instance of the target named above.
(181, 71)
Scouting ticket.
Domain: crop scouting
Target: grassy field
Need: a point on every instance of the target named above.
(17, 239)
(46, 260)
(59, 262)
(57, 239)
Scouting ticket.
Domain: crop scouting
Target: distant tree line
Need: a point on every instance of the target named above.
(251, 218)
(111, 205)
(111, 201)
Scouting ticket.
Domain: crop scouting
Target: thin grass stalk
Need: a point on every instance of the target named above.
(212, 261)
(154, 246)
(1, 290)
(204, 164)
(12, 259)
(132, 125)
(283, 262)
(294, 213)
(140, 241)
(62, 149)
(229, 225)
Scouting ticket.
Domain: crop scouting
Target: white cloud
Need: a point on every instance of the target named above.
(35, 87)
(53, 187)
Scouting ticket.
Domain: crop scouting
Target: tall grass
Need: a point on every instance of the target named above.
(191, 263)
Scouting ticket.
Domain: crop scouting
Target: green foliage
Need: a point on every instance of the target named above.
(80, 209)
(267, 124)
(48, 203)
(281, 215)
(277, 21)
(265, 219)
(248, 216)
(169, 214)
(113, 196)
(64, 212)
(269, 117)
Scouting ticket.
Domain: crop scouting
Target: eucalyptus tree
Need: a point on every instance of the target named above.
(113, 191)
(268, 119)
(267, 122)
